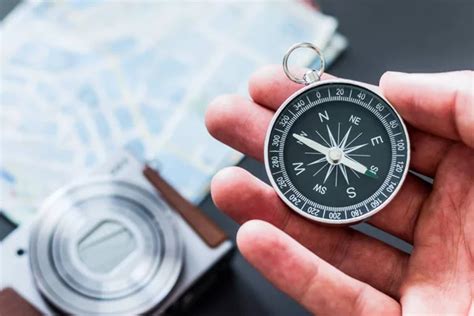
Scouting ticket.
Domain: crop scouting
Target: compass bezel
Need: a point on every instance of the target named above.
(282, 196)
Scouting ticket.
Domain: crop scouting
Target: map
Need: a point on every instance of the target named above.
(80, 79)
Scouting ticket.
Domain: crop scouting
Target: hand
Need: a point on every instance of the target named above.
(339, 271)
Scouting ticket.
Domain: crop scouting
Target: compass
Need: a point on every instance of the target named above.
(336, 151)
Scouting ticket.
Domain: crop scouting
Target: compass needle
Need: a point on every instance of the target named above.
(312, 144)
(351, 122)
(355, 173)
(357, 166)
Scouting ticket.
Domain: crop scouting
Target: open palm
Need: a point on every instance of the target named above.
(341, 271)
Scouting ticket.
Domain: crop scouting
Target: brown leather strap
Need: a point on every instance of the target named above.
(12, 304)
(212, 234)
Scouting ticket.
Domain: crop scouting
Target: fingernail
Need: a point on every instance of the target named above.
(395, 73)
(392, 75)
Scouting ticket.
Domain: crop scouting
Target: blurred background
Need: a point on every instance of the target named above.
(82, 78)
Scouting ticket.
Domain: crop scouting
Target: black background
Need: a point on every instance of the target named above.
(403, 35)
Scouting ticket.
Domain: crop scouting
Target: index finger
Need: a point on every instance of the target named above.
(441, 104)
(311, 281)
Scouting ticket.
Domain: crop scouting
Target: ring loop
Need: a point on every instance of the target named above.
(309, 77)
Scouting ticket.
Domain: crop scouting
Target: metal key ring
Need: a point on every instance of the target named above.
(312, 75)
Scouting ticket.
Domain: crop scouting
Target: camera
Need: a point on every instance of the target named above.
(120, 240)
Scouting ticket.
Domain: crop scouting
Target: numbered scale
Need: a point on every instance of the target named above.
(336, 151)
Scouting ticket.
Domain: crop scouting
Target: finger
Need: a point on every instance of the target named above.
(441, 104)
(427, 151)
(400, 216)
(239, 123)
(244, 197)
(241, 195)
(312, 282)
(270, 87)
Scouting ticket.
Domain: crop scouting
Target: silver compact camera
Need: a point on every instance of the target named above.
(119, 241)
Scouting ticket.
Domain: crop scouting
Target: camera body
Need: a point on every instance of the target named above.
(118, 241)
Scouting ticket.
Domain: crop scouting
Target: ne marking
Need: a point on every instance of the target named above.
(386, 116)
(277, 172)
(279, 130)
(287, 191)
(366, 207)
(370, 101)
(395, 176)
(274, 151)
(383, 194)
(291, 112)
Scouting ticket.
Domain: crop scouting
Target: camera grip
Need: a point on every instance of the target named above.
(209, 232)
(12, 304)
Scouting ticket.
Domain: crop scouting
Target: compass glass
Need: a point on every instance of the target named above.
(337, 152)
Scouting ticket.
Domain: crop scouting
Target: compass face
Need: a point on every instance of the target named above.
(337, 152)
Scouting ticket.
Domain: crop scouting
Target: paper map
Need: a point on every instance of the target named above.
(80, 79)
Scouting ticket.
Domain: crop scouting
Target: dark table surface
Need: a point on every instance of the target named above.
(403, 35)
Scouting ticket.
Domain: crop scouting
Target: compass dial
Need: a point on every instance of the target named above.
(337, 152)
